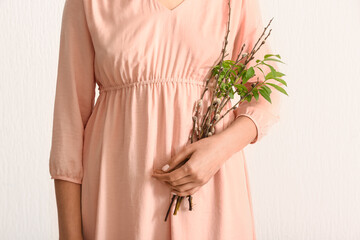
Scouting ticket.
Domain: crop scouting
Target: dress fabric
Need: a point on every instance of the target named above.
(150, 64)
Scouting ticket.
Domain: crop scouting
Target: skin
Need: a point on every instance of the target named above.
(171, 4)
(68, 200)
(207, 157)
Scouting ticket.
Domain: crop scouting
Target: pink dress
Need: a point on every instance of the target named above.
(150, 64)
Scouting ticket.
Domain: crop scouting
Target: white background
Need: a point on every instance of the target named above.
(304, 175)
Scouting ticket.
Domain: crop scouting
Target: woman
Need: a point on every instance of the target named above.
(150, 60)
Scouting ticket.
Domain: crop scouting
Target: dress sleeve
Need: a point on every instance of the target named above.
(74, 96)
(261, 112)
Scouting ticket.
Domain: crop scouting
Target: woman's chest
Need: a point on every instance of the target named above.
(138, 30)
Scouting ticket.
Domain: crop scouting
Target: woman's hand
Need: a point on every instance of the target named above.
(207, 155)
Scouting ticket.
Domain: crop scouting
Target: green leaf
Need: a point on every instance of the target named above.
(242, 73)
(222, 87)
(271, 55)
(266, 89)
(278, 88)
(265, 94)
(273, 59)
(248, 98)
(215, 70)
(249, 73)
(256, 93)
(268, 55)
(280, 74)
(229, 61)
(233, 72)
(261, 70)
(238, 66)
(241, 87)
(280, 80)
(273, 70)
(231, 94)
(272, 75)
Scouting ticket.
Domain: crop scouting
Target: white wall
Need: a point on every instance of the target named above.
(304, 175)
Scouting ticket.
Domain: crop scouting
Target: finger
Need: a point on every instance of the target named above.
(184, 180)
(181, 181)
(174, 175)
(186, 193)
(185, 187)
(178, 158)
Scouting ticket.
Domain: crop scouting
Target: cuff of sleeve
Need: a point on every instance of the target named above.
(263, 119)
(66, 178)
(256, 125)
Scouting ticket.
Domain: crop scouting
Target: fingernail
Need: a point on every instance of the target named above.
(173, 193)
(165, 168)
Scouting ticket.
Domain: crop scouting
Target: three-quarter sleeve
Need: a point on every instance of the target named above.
(74, 96)
(261, 112)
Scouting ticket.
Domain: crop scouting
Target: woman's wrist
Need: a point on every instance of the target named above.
(237, 135)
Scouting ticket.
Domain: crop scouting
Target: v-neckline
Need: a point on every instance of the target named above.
(157, 2)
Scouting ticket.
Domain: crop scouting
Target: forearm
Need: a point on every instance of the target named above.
(69, 209)
(238, 134)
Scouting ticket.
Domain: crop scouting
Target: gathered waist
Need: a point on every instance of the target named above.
(192, 81)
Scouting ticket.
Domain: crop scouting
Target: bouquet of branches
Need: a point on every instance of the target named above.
(228, 78)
